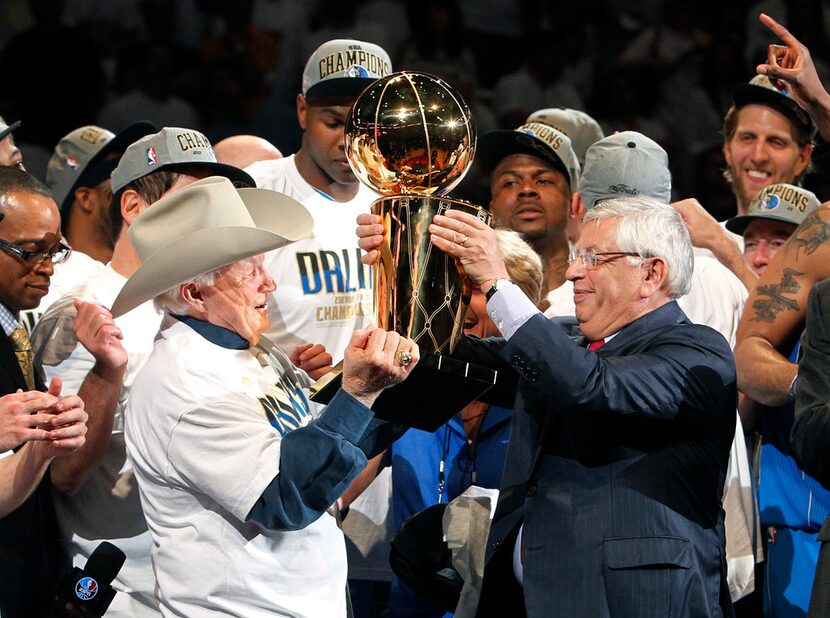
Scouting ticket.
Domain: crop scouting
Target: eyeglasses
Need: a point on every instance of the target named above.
(36, 258)
(590, 258)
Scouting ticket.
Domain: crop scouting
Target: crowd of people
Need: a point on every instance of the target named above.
(168, 303)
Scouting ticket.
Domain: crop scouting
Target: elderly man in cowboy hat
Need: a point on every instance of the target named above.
(238, 473)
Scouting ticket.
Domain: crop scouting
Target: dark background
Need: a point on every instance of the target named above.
(663, 67)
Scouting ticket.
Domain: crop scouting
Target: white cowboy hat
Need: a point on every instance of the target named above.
(202, 227)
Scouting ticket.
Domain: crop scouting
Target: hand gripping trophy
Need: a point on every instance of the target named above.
(410, 137)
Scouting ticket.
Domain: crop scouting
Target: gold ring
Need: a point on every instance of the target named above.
(464, 240)
(403, 358)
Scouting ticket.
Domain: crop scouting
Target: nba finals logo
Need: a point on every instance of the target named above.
(86, 588)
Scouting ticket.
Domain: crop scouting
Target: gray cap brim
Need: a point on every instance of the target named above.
(9, 129)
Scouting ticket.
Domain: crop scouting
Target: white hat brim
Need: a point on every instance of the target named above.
(280, 220)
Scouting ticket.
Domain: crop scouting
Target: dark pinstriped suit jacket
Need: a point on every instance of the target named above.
(617, 459)
(30, 559)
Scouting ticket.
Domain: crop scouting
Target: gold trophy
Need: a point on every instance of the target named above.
(410, 137)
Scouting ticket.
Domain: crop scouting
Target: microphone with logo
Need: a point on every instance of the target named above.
(87, 591)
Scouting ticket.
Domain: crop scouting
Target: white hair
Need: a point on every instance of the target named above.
(172, 301)
(651, 228)
(523, 264)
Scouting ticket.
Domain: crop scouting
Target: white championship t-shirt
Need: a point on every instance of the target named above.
(323, 291)
(204, 451)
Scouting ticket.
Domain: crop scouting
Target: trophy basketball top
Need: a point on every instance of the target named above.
(410, 134)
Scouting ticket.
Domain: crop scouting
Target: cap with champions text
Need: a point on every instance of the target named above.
(344, 67)
(625, 164)
(778, 202)
(533, 138)
(172, 148)
(86, 157)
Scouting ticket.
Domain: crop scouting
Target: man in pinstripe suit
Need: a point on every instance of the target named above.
(617, 453)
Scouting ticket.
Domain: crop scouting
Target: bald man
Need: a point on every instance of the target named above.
(242, 150)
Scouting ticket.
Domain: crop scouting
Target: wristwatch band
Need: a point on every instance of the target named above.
(499, 284)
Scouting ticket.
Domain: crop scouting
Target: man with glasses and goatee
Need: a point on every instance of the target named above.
(30, 245)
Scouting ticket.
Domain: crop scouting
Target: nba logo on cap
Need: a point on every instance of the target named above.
(86, 588)
(357, 71)
(72, 163)
(151, 156)
(770, 202)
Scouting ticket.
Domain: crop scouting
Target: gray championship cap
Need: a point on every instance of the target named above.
(623, 165)
(170, 149)
(532, 138)
(86, 157)
(778, 202)
(579, 126)
(774, 93)
(344, 68)
(6, 128)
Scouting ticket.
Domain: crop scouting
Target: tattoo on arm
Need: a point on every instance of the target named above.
(811, 234)
(774, 301)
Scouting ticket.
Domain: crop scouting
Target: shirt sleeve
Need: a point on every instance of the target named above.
(56, 350)
(510, 309)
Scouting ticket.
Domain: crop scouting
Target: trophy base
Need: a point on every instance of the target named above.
(436, 390)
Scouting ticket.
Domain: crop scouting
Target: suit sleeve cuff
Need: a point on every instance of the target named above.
(346, 416)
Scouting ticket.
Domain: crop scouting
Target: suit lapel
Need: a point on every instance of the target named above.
(644, 326)
(628, 336)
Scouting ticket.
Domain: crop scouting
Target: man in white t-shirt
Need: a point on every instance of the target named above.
(767, 140)
(96, 498)
(325, 291)
(533, 172)
(237, 471)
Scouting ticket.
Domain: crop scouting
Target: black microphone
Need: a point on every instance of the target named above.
(87, 591)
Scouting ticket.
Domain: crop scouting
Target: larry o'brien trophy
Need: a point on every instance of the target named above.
(410, 137)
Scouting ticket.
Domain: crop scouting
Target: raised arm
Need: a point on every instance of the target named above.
(774, 314)
(792, 63)
(707, 233)
(94, 328)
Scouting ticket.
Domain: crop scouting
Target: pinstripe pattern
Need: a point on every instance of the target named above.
(622, 512)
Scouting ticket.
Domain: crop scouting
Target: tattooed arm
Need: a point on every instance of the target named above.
(774, 314)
